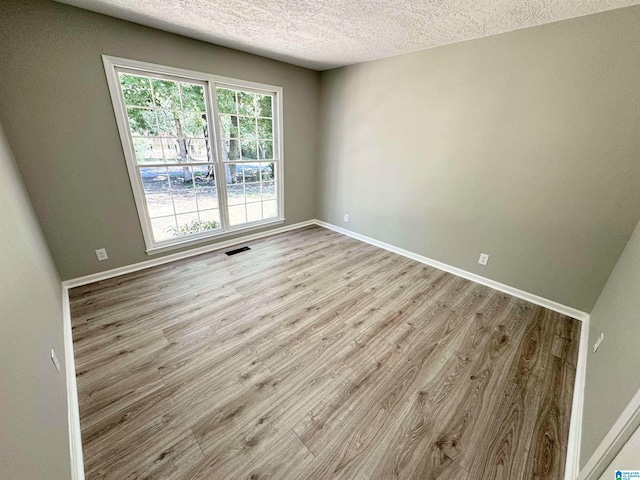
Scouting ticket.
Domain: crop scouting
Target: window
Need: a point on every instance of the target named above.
(203, 152)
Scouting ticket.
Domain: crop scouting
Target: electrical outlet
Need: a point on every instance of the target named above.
(484, 259)
(101, 253)
(598, 342)
(346, 218)
(55, 361)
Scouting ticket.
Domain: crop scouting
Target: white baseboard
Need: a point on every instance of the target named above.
(530, 297)
(614, 440)
(116, 272)
(73, 414)
(572, 464)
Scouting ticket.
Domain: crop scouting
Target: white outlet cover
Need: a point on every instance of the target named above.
(484, 259)
(598, 342)
(55, 361)
(101, 253)
(346, 217)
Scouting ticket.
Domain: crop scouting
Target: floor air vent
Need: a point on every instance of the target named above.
(237, 250)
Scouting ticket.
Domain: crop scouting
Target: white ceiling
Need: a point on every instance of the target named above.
(322, 34)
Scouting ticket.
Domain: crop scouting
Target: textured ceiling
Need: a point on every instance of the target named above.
(322, 34)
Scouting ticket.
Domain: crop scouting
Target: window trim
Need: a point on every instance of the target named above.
(112, 64)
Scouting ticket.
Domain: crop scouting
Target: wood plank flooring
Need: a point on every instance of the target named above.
(316, 356)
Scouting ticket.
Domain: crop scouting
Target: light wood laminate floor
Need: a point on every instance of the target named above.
(316, 356)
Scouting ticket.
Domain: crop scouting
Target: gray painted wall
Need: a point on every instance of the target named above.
(58, 116)
(523, 146)
(34, 439)
(613, 372)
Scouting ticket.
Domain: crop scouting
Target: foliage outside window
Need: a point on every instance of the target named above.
(198, 167)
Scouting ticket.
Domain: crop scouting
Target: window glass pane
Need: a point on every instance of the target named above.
(159, 204)
(142, 122)
(254, 212)
(268, 190)
(251, 172)
(188, 224)
(267, 171)
(171, 149)
(209, 220)
(248, 128)
(166, 94)
(265, 128)
(252, 192)
(204, 177)
(247, 103)
(205, 186)
(136, 90)
(207, 198)
(265, 149)
(180, 177)
(163, 228)
(195, 124)
(182, 189)
(184, 201)
(248, 149)
(234, 173)
(186, 150)
(197, 150)
(192, 97)
(264, 105)
(155, 179)
(226, 101)
(148, 150)
(229, 124)
(157, 193)
(235, 194)
(237, 215)
(270, 209)
(169, 122)
(231, 150)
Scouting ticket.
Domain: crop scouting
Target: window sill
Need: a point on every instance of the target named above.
(208, 238)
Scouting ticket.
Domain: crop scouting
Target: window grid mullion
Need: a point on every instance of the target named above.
(216, 136)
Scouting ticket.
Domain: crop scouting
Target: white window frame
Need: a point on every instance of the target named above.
(210, 82)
